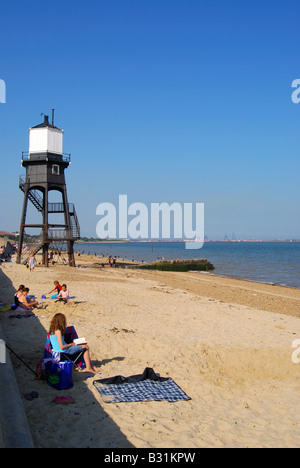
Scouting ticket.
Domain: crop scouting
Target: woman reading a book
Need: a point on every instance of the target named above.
(58, 326)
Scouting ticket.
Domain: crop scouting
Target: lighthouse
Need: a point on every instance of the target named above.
(45, 165)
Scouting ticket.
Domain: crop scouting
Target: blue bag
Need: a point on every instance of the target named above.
(59, 374)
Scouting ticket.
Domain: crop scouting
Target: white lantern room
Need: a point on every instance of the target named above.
(45, 138)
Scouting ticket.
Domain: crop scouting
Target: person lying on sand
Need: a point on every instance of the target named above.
(58, 327)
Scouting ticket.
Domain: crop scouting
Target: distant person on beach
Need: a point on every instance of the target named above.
(64, 294)
(31, 261)
(51, 257)
(57, 287)
(58, 327)
(114, 261)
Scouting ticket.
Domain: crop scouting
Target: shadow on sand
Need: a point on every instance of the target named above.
(82, 424)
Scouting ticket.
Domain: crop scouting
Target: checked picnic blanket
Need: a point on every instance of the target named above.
(145, 387)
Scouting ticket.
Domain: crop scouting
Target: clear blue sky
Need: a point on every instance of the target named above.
(162, 100)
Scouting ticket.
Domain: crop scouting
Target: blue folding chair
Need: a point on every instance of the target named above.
(69, 336)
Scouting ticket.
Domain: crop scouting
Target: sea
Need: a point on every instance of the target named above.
(275, 263)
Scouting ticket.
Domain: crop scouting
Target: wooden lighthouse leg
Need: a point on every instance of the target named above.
(45, 228)
(22, 228)
(70, 243)
(71, 254)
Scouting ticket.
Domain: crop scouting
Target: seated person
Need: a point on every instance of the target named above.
(24, 302)
(64, 294)
(57, 288)
(58, 326)
(18, 293)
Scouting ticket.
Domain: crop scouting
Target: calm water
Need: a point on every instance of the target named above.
(266, 262)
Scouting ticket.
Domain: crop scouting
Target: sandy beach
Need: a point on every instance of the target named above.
(226, 343)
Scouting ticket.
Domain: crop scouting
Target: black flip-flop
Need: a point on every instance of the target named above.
(31, 396)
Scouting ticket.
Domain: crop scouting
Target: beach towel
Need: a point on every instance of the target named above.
(21, 316)
(148, 386)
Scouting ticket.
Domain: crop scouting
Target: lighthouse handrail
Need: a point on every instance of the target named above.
(59, 234)
(22, 180)
(66, 157)
(76, 225)
(58, 207)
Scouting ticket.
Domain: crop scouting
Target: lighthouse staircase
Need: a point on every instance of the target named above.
(54, 235)
(34, 247)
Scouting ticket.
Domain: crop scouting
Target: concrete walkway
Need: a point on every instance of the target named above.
(14, 428)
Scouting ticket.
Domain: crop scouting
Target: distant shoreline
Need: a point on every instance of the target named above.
(156, 241)
(127, 241)
(266, 262)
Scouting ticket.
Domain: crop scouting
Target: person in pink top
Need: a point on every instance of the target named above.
(64, 294)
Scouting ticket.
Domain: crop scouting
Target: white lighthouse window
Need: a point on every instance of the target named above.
(55, 169)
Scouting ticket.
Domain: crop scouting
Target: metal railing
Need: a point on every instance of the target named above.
(33, 246)
(43, 156)
(59, 207)
(22, 180)
(60, 234)
(35, 197)
(74, 223)
(33, 194)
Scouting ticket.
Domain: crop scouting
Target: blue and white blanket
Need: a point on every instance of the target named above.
(147, 387)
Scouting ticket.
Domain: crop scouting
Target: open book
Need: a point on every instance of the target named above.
(80, 341)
